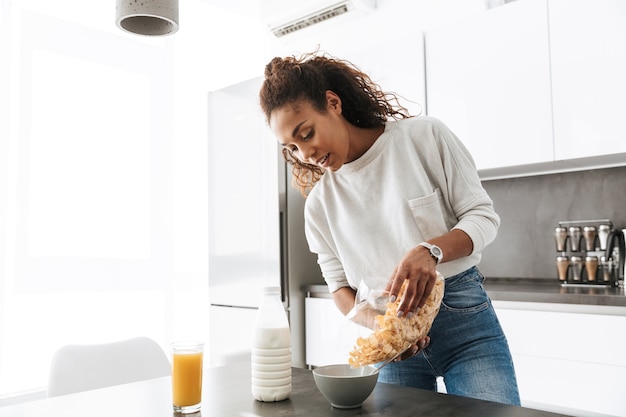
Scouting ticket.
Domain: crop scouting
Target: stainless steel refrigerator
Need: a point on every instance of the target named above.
(256, 226)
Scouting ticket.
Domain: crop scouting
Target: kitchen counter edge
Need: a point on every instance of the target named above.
(538, 294)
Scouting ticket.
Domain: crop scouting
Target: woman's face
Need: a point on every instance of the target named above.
(314, 138)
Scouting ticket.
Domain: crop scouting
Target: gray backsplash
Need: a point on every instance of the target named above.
(531, 207)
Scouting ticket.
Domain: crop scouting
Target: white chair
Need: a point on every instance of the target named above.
(85, 367)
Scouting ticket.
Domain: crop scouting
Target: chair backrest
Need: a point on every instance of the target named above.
(84, 367)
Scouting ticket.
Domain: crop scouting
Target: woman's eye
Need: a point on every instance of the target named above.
(307, 135)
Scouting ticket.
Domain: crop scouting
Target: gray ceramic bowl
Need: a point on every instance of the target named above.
(344, 386)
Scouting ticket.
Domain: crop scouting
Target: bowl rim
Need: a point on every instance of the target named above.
(344, 366)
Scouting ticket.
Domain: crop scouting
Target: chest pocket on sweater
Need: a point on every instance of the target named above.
(429, 214)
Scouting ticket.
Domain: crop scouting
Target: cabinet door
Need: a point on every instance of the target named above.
(488, 79)
(588, 50)
(558, 354)
(396, 68)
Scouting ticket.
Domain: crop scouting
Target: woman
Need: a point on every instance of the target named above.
(394, 196)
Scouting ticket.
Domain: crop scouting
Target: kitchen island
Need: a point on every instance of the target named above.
(386, 400)
(226, 392)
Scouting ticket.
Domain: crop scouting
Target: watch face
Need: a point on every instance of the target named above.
(435, 250)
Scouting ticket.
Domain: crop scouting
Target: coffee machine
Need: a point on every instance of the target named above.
(590, 253)
(616, 250)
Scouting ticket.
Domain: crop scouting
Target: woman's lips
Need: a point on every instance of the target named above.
(323, 162)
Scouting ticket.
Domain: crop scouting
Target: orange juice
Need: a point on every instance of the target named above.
(186, 379)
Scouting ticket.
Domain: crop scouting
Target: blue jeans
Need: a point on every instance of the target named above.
(467, 348)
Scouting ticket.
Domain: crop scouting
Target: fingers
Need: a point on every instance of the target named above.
(419, 346)
(430, 284)
(419, 287)
(415, 349)
(418, 268)
(394, 284)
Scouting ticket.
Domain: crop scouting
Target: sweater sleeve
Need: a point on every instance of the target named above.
(318, 235)
(469, 201)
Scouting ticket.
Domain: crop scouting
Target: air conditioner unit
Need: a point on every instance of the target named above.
(288, 16)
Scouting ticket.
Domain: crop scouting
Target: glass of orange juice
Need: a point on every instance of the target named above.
(187, 376)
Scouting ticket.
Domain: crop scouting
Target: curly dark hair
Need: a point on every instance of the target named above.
(307, 78)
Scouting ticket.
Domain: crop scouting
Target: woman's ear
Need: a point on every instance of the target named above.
(333, 102)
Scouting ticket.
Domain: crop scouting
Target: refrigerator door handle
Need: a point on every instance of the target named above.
(284, 258)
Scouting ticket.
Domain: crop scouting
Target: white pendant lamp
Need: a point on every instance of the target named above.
(147, 17)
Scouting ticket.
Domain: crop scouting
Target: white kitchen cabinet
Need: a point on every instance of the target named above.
(488, 79)
(588, 53)
(330, 336)
(573, 363)
(396, 69)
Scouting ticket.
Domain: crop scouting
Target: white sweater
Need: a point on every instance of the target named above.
(416, 182)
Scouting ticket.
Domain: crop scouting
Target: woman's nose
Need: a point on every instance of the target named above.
(306, 152)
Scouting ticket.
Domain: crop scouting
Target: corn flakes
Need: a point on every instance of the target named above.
(392, 332)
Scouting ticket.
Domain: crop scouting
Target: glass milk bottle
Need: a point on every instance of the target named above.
(271, 350)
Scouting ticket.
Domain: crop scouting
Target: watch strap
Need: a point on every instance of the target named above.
(434, 250)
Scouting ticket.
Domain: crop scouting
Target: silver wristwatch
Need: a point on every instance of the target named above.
(435, 251)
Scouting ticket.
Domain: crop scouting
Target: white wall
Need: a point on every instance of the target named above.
(103, 184)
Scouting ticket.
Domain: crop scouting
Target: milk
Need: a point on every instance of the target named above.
(271, 350)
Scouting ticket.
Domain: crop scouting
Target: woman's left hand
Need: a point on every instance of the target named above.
(414, 349)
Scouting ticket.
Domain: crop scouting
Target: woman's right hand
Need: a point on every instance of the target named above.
(419, 269)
